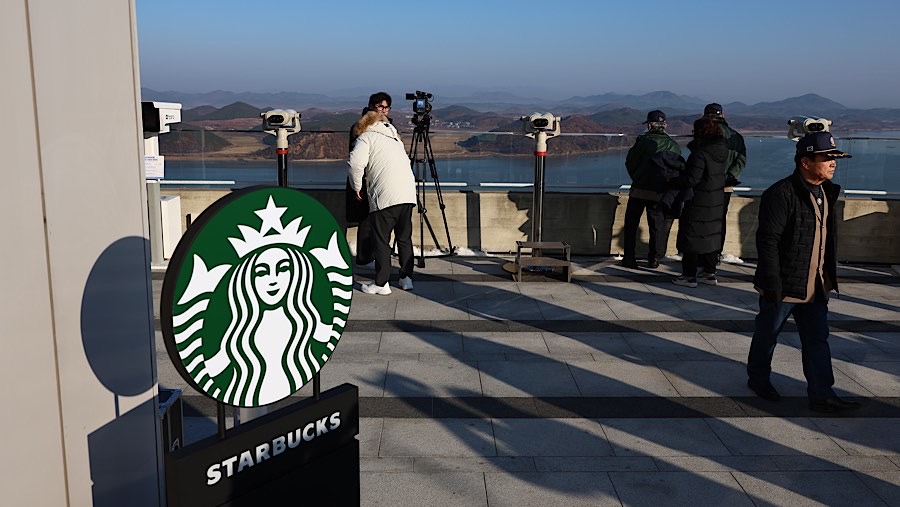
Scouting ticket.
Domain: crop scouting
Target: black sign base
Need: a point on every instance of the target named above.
(303, 454)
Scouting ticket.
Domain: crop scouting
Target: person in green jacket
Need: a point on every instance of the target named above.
(653, 154)
(734, 166)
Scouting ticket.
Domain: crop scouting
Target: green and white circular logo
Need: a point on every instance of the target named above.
(256, 296)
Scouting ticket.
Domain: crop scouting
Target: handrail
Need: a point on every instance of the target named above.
(871, 173)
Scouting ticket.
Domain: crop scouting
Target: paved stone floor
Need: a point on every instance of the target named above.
(619, 388)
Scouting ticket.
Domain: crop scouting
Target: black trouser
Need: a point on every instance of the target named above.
(690, 262)
(397, 218)
(364, 247)
(657, 223)
(812, 325)
(724, 221)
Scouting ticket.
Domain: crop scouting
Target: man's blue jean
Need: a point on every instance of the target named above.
(812, 324)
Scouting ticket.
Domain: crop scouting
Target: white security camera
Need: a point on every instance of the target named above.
(158, 116)
(799, 126)
(281, 119)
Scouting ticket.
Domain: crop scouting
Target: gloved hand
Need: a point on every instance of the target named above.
(731, 181)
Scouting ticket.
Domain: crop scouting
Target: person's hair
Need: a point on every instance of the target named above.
(375, 98)
(707, 127)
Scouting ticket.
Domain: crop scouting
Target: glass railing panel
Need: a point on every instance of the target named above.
(485, 160)
(874, 168)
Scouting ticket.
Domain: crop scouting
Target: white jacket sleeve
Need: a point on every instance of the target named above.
(359, 159)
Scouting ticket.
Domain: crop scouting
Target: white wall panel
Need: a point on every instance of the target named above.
(77, 310)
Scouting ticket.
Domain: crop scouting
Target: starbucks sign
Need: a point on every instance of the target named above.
(256, 296)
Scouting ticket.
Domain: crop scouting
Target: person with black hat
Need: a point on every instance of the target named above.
(734, 166)
(797, 268)
(653, 154)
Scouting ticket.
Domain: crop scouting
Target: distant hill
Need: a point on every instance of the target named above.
(191, 142)
(646, 102)
(317, 119)
(196, 113)
(467, 109)
(281, 100)
(620, 116)
(235, 110)
(806, 105)
(609, 112)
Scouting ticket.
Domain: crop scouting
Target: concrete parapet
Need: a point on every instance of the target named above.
(492, 221)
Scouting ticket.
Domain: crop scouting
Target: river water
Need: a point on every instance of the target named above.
(875, 166)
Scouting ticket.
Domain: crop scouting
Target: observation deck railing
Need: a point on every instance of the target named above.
(485, 161)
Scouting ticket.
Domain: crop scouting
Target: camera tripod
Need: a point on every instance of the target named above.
(421, 138)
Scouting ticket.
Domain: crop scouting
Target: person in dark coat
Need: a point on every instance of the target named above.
(652, 154)
(796, 244)
(737, 160)
(700, 225)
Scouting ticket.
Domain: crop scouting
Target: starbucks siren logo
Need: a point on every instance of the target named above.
(256, 296)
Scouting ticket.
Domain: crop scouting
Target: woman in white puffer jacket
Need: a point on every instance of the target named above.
(380, 156)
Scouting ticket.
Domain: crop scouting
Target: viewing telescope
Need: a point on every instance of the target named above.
(799, 126)
(281, 123)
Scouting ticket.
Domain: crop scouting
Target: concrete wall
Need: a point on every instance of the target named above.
(76, 321)
(592, 223)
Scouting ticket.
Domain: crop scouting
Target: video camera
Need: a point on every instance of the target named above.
(799, 126)
(421, 102)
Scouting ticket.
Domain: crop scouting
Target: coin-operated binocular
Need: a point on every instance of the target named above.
(540, 127)
(281, 123)
(799, 126)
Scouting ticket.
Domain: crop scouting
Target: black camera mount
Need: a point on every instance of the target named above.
(422, 121)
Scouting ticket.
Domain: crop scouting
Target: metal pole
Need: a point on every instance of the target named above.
(155, 217)
(246, 414)
(220, 416)
(154, 208)
(537, 200)
(281, 151)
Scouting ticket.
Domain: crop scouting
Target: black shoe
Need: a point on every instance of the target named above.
(765, 390)
(653, 264)
(629, 263)
(832, 405)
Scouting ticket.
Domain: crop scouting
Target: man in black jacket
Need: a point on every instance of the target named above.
(652, 153)
(797, 268)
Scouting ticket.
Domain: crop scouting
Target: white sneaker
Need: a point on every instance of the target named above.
(371, 288)
(406, 283)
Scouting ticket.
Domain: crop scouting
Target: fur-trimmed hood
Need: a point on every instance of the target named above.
(380, 157)
(368, 119)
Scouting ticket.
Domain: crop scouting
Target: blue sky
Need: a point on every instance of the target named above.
(715, 50)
